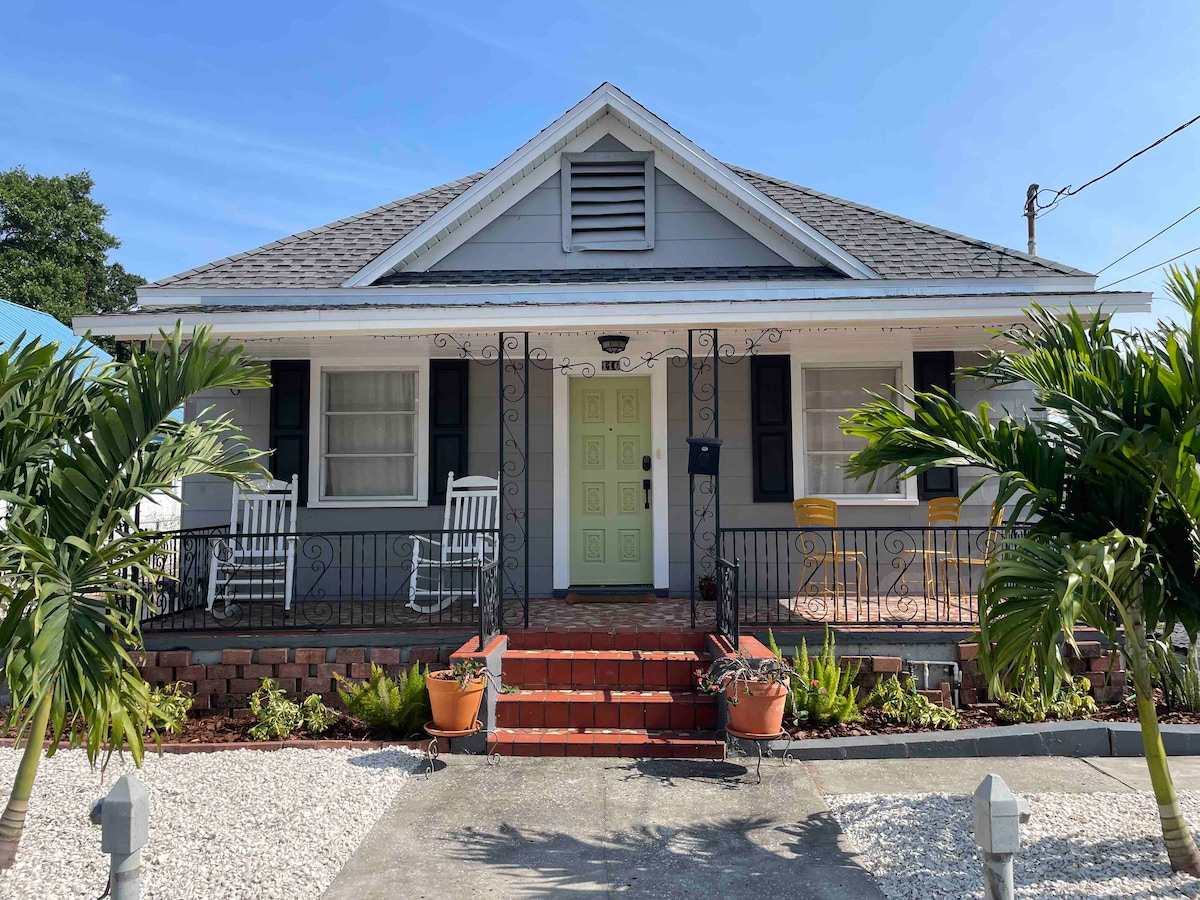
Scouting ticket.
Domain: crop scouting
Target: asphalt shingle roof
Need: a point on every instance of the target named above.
(891, 245)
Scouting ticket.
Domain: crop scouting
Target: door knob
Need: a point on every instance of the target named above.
(646, 488)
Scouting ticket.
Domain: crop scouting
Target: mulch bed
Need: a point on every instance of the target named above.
(203, 730)
(984, 715)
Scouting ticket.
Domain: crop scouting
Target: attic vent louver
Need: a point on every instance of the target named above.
(608, 201)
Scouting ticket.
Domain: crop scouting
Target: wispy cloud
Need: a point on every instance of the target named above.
(144, 126)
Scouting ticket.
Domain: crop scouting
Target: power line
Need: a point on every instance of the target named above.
(1070, 191)
(1148, 268)
(1149, 239)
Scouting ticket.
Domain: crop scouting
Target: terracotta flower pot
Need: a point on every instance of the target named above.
(758, 708)
(455, 708)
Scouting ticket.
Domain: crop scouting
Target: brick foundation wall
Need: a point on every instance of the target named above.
(1092, 662)
(224, 679)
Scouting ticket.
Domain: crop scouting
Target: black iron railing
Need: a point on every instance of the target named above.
(727, 613)
(868, 576)
(260, 582)
(491, 614)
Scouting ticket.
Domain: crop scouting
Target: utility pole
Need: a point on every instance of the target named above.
(1030, 216)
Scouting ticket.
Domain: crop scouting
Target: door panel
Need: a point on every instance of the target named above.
(611, 527)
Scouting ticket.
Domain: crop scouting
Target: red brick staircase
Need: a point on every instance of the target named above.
(620, 692)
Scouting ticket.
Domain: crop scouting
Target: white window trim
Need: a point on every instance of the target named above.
(316, 436)
(907, 495)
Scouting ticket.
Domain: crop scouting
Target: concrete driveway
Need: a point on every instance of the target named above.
(605, 827)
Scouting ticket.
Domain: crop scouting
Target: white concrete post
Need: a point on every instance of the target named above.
(998, 819)
(124, 820)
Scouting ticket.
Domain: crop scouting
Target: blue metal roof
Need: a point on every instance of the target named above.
(15, 319)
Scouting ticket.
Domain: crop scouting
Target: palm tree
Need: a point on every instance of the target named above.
(80, 445)
(1103, 481)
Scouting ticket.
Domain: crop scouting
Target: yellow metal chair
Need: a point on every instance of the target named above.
(817, 512)
(942, 512)
(957, 564)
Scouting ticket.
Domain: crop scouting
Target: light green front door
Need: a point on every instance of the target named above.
(611, 520)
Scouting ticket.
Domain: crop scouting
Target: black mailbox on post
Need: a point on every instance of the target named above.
(704, 455)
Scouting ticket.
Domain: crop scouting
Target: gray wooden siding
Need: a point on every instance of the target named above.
(206, 501)
(688, 232)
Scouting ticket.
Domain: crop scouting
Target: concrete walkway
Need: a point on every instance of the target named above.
(592, 828)
(665, 828)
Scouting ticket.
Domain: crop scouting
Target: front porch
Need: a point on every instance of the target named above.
(787, 578)
(588, 433)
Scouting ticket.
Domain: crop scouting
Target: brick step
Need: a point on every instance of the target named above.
(607, 639)
(582, 669)
(627, 742)
(603, 708)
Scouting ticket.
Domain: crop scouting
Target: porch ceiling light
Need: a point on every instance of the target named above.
(613, 343)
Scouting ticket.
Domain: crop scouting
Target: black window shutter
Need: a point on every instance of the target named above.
(930, 370)
(771, 427)
(447, 424)
(289, 421)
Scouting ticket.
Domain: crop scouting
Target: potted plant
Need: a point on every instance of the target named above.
(455, 695)
(707, 586)
(756, 691)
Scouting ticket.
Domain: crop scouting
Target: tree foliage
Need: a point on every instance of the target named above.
(1105, 482)
(81, 444)
(54, 248)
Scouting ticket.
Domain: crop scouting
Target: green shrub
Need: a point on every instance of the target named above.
(275, 716)
(397, 707)
(1028, 704)
(1178, 678)
(169, 706)
(821, 690)
(903, 705)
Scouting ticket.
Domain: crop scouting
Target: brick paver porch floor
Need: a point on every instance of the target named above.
(548, 612)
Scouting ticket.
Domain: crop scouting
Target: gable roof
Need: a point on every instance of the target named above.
(369, 249)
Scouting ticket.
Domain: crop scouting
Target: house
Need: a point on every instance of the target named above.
(567, 319)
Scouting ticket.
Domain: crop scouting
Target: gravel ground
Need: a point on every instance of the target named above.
(1075, 845)
(234, 824)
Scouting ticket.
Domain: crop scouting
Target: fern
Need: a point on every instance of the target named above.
(821, 690)
(394, 706)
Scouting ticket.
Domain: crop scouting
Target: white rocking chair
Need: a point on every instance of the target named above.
(257, 559)
(470, 540)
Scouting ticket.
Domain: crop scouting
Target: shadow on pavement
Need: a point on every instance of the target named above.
(720, 857)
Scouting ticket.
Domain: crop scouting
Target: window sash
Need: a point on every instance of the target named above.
(393, 449)
(825, 400)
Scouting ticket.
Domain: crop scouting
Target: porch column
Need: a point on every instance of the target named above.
(512, 436)
(704, 491)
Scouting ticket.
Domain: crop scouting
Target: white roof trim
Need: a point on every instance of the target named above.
(606, 99)
(617, 292)
(574, 317)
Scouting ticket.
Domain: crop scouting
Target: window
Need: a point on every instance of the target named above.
(369, 435)
(608, 201)
(828, 395)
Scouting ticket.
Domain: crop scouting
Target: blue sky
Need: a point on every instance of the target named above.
(212, 129)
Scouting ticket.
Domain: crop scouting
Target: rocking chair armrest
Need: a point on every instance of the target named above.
(432, 542)
(487, 546)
